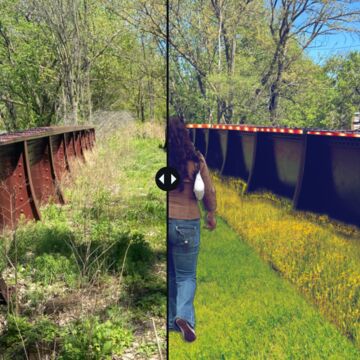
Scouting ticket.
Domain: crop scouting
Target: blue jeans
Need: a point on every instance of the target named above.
(183, 247)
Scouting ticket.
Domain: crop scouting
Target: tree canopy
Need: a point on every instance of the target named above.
(61, 60)
(245, 61)
(238, 61)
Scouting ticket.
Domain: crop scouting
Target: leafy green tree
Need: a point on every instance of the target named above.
(244, 61)
(299, 22)
(28, 70)
(344, 73)
(62, 60)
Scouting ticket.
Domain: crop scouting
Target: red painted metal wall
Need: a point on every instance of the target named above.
(32, 164)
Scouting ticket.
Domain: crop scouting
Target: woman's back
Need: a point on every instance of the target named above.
(184, 227)
(183, 204)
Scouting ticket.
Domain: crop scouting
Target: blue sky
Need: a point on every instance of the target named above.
(336, 44)
(330, 45)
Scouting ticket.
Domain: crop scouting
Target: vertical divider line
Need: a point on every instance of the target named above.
(167, 164)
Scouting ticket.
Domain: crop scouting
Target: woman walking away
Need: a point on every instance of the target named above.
(184, 227)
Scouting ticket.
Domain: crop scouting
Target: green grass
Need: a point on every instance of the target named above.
(244, 310)
(95, 268)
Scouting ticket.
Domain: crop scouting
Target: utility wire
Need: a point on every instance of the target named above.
(333, 48)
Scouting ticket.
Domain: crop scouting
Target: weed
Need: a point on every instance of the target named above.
(36, 238)
(48, 269)
(23, 338)
(94, 340)
(146, 349)
(146, 294)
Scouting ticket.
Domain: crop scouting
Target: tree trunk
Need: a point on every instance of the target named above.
(219, 37)
(89, 102)
(201, 85)
(275, 88)
(151, 98)
(273, 103)
(230, 51)
(12, 124)
(74, 112)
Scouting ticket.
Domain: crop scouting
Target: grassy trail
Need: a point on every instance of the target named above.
(91, 276)
(246, 311)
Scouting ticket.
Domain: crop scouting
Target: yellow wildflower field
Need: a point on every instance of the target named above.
(320, 257)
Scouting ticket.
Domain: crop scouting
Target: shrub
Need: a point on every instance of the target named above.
(21, 335)
(93, 340)
(36, 238)
(146, 294)
(106, 248)
(47, 269)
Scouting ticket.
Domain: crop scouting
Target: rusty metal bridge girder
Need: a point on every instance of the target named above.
(318, 170)
(32, 164)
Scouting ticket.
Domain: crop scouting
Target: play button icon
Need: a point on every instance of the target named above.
(167, 178)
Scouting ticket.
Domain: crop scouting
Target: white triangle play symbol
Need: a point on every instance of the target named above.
(162, 178)
(173, 178)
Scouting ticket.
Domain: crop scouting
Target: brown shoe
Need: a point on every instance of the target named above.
(186, 330)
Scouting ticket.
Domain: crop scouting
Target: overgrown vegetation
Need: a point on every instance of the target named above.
(239, 61)
(244, 61)
(90, 278)
(62, 60)
(245, 311)
(319, 257)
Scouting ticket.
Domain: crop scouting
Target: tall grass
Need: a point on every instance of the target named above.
(321, 258)
(91, 274)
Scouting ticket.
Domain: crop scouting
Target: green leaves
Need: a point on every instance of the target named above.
(22, 335)
(60, 60)
(239, 61)
(27, 71)
(344, 72)
(95, 340)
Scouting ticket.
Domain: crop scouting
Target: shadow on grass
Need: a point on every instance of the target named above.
(146, 292)
(103, 251)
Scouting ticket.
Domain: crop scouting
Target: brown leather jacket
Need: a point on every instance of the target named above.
(184, 205)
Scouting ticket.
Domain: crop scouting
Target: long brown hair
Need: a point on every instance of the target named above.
(180, 148)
